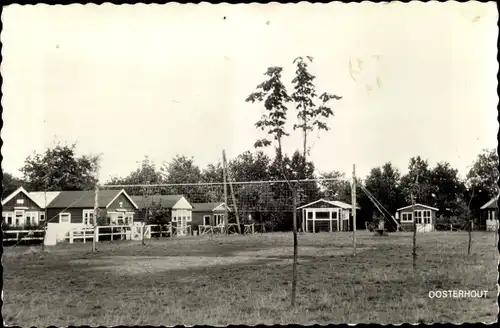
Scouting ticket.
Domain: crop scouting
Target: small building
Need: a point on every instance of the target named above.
(209, 214)
(489, 215)
(424, 215)
(326, 216)
(179, 207)
(76, 208)
(22, 208)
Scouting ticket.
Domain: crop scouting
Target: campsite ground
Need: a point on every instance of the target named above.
(246, 280)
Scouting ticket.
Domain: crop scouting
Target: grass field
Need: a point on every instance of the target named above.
(246, 280)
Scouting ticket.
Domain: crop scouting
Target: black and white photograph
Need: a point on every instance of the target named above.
(244, 164)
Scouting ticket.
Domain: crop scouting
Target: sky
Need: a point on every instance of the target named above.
(159, 80)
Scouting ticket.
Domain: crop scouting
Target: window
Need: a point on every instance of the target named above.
(8, 217)
(64, 217)
(42, 216)
(206, 220)
(120, 219)
(88, 217)
(418, 217)
(309, 215)
(129, 218)
(19, 218)
(174, 219)
(219, 219)
(427, 217)
(31, 217)
(406, 217)
(19, 201)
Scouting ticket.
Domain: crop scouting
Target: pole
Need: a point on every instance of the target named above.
(228, 177)
(96, 213)
(353, 196)
(414, 250)
(44, 216)
(224, 174)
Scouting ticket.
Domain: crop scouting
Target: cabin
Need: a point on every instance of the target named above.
(488, 219)
(76, 208)
(424, 215)
(326, 216)
(22, 208)
(209, 214)
(180, 210)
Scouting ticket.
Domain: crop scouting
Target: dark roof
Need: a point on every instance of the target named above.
(82, 199)
(205, 207)
(167, 201)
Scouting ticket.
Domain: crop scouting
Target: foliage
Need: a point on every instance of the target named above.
(337, 189)
(146, 173)
(158, 214)
(181, 169)
(10, 183)
(483, 178)
(420, 167)
(449, 190)
(384, 184)
(275, 97)
(310, 116)
(59, 168)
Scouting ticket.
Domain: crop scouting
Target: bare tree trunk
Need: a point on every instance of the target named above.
(470, 222)
(353, 196)
(295, 249)
(470, 237)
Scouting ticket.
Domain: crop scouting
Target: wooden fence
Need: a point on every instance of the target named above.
(23, 235)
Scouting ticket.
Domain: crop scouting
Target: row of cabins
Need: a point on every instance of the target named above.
(116, 207)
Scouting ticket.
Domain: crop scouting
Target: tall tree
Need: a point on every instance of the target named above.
(449, 192)
(146, 172)
(10, 183)
(213, 174)
(337, 187)
(183, 170)
(483, 177)
(275, 97)
(420, 167)
(310, 117)
(384, 184)
(59, 168)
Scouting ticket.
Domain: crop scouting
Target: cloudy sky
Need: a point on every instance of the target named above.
(129, 81)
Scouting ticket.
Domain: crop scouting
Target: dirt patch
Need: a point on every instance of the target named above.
(144, 264)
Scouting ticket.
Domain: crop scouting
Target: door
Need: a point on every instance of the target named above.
(18, 218)
(182, 226)
(423, 220)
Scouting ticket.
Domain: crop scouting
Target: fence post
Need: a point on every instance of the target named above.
(96, 234)
(71, 237)
(451, 226)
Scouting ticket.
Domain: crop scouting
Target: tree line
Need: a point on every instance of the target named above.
(59, 168)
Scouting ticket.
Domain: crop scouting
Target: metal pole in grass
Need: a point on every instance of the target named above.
(96, 213)
(414, 249)
(353, 196)
(224, 175)
(233, 197)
